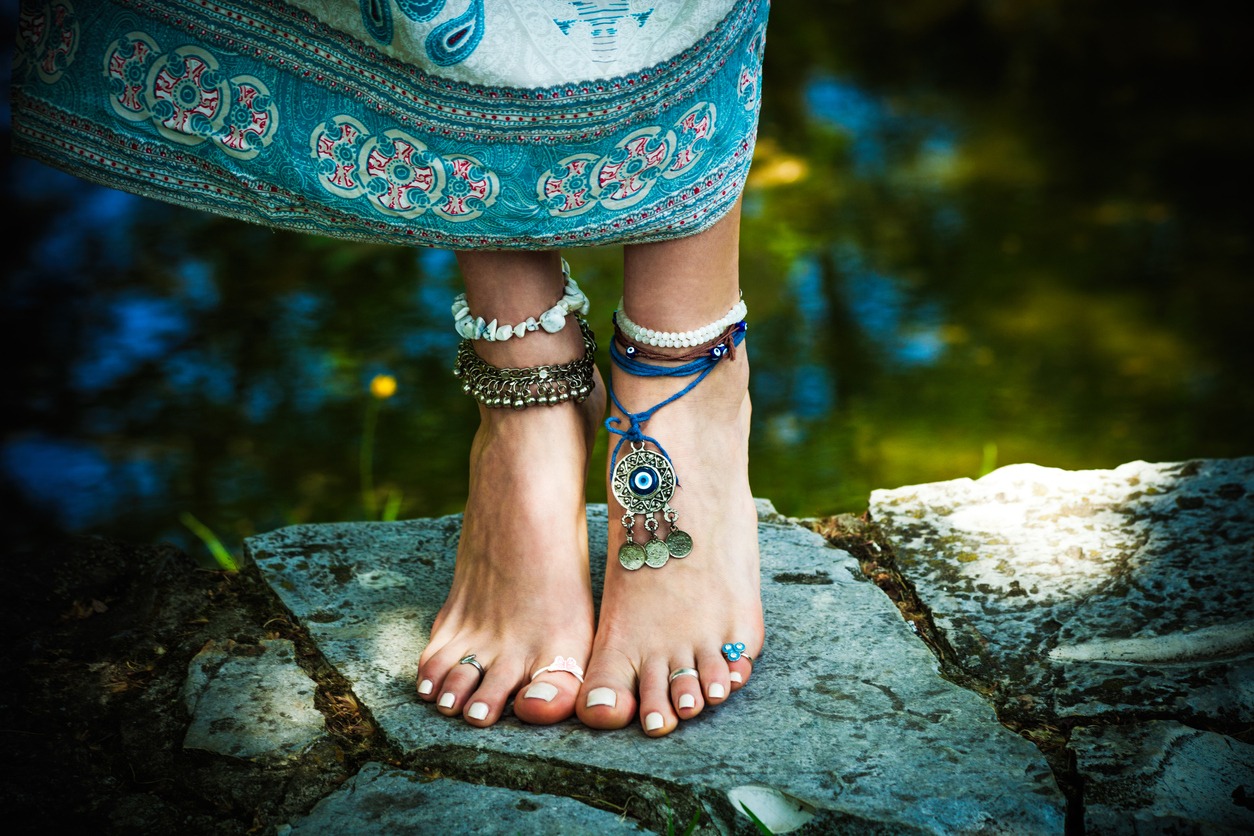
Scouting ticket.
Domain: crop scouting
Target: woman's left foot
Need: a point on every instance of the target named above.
(655, 622)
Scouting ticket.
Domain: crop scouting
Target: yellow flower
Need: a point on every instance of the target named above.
(383, 386)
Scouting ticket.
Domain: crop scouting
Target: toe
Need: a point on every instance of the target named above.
(685, 690)
(426, 686)
(486, 705)
(657, 716)
(432, 672)
(738, 672)
(458, 684)
(547, 699)
(741, 669)
(714, 676)
(606, 699)
(548, 696)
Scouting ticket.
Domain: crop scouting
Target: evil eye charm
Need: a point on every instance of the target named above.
(644, 480)
(631, 351)
(742, 326)
(733, 651)
(718, 351)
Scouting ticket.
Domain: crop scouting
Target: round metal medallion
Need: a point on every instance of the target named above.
(631, 555)
(656, 554)
(679, 543)
(643, 482)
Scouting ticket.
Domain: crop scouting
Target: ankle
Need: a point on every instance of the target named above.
(539, 349)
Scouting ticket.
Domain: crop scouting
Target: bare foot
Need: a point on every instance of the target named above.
(521, 593)
(655, 621)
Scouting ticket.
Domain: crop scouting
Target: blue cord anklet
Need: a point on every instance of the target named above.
(644, 481)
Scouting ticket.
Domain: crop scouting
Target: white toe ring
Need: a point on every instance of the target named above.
(562, 663)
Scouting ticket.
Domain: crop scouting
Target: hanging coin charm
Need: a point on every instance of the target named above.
(655, 552)
(630, 554)
(678, 543)
(643, 483)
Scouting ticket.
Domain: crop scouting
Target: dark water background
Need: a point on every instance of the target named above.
(976, 233)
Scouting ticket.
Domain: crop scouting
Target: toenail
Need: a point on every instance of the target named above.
(477, 710)
(447, 699)
(735, 676)
(716, 690)
(425, 686)
(687, 700)
(541, 691)
(653, 721)
(602, 696)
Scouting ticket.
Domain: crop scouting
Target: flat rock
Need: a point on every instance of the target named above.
(1164, 777)
(384, 799)
(251, 701)
(846, 721)
(1091, 593)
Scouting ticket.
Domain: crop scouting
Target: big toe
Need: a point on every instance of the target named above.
(607, 698)
(547, 699)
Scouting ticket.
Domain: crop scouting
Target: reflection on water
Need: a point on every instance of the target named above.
(973, 236)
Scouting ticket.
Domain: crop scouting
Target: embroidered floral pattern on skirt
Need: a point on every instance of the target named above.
(468, 125)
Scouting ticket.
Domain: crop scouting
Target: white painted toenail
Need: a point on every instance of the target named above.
(735, 676)
(477, 710)
(447, 699)
(653, 721)
(425, 686)
(602, 696)
(541, 691)
(687, 700)
(716, 690)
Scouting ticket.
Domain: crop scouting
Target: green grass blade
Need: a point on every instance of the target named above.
(211, 541)
(757, 821)
(392, 508)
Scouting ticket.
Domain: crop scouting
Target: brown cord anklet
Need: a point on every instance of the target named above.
(648, 352)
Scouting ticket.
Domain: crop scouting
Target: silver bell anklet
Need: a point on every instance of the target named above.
(644, 481)
(536, 385)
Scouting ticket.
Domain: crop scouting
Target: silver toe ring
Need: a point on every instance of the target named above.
(470, 660)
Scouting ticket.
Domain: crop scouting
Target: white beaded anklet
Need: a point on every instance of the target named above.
(679, 339)
(473, 327)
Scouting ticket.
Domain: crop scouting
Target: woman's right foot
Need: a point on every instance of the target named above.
(521, 594)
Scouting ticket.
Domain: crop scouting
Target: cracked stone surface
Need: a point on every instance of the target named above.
(1164, 777)
(251, 701)
(846, 717)
(1091, 593)
(383, 799)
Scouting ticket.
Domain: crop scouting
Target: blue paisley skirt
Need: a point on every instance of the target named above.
(470, 125)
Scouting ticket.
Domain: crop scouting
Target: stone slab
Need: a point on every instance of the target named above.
(251, 701)
(846, 716)
(1164, 777)
(383, 799)
(1091, 593)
